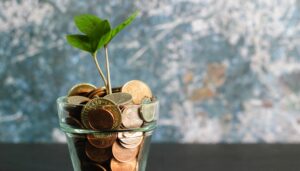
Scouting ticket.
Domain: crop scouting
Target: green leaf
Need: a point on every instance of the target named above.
(104, 40)
(120, 27)
(80, 41)
(87, 23)
(100, 33)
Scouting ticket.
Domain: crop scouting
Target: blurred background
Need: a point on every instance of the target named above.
(224, 71)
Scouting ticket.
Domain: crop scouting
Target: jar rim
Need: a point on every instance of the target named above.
(63, 101)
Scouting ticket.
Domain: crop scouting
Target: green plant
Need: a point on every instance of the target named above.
(97, 33)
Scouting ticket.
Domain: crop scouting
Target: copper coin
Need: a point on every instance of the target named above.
(124, 154)
(74, 111)
(81, 89)
(116, 89)
(131, 118)
(73, 122)
(79, 144)
(102, 140)
(98, 155)
(99, 92)
(138, 90)
(100, 119)
(119, 98)
(115, 165)
(100, 103)
(92, 167)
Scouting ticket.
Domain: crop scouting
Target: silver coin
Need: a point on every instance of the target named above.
(131, 118)
(119, 98)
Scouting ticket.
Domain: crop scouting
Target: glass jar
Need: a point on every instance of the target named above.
(94, 147)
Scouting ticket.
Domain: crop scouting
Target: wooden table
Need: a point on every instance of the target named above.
(164, 157)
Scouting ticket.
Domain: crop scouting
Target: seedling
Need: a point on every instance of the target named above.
(97, 34)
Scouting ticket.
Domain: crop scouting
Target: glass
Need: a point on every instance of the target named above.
(118, 149)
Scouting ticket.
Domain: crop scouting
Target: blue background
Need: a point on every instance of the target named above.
(224, 71)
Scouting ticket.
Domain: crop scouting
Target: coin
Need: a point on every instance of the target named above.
(74, 105)
(75, 111)
(79, 141)
(119, 98)
(130, 139)
(137, 166)
(147, 112)
(77, 100)
(130, 145)
(99, 92)
(73, 122)
(100, 119)
(100, 103)
(102, 140)
(81, 89)
(130, 117)
(137, 89)
(98, 155)
(116, 89)
(129, 134)
(119, 166)
(92, 167)
(124, 154)
(146, 100)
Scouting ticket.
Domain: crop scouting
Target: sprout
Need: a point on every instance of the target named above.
(96, 33)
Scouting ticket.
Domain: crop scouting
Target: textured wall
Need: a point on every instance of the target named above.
(224, 71)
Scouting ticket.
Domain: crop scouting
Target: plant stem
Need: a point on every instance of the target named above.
(99, 68)
(109, 91)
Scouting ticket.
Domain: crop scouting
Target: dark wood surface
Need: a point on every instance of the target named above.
(163, 157)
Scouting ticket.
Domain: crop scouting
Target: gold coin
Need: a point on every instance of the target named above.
(115, 165)
(138, 90)
(130, 117)
(124, 154)
(81, 89)
(119, 98)
(101, 104)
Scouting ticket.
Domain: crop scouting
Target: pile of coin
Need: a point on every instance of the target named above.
(129, 107)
